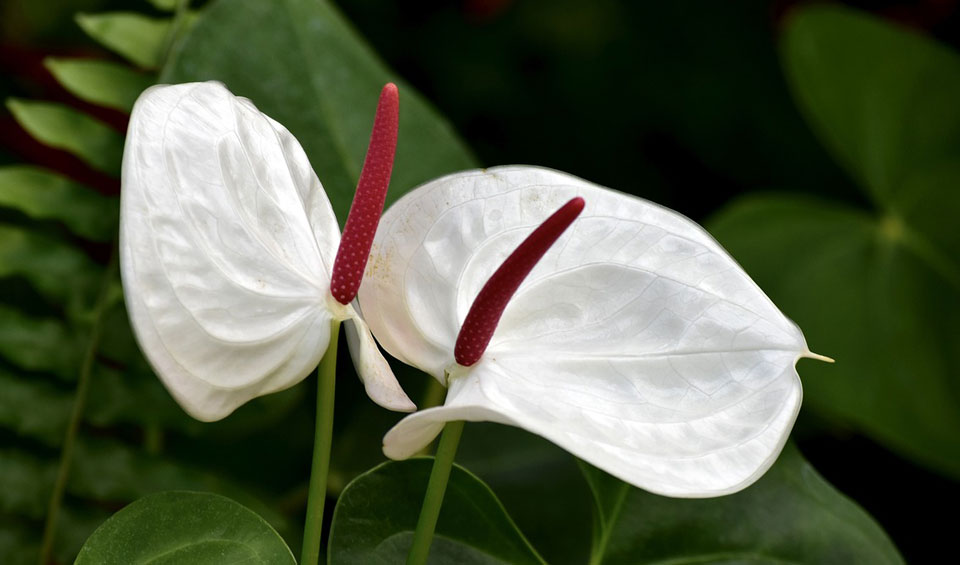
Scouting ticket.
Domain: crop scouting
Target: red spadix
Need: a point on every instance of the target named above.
(488, 306)
(368, 202)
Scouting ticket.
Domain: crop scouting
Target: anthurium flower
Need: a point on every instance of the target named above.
(636, 343)
(228, 243)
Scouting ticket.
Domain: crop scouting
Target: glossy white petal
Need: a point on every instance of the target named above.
(227, 243)
(636, 343)
(378, 379)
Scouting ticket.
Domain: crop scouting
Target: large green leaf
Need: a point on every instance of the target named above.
(878, 290)
(882, 98)
(138, 38)
(42, 194)
(184, 527)
(791, 515)
(377, 513)
(108, 84)
(64, 128)
(306, 67)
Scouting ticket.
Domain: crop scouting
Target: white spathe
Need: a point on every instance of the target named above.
(227, 242)
(637, 343)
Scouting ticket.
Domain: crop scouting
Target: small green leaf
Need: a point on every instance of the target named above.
(38, 344)
(64, 128)
(27, 482)
(305, 66)
(377, 513)
(33, 408)
(55, 269)
(138, 38)
(42, 194)
(883, 98)
(791, 515)
(184, 527)
(105, 83)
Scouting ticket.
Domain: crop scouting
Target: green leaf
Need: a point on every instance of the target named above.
(38, 344)
(42, 194)
(377, 513)
(138, 38)
(57, 270)
(876, 290)
(33, 408)
(865, 293)
(882, 98)
(791, 515)
(64, 128)
(105, 83)
(303, 64)
(166, 5)
(184, 527)
(27, 482)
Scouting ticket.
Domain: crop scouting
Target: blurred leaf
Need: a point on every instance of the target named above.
(165, 5)
(27, 481)
(184, 527)
(305, 66)
(138, 38)
(57, 270)
(105, 83)
(38, 344)
(863, 295)
(882, 98)
(877, 290)
(791, 515)
(34, 409)
(64, 128)
(377, 513)
(42, 194)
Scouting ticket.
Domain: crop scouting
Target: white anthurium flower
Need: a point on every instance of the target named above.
(636, 343)
(227, 248)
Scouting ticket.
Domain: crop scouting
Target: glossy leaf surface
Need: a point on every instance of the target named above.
(791, 515)
(377, 513)
(184, 527)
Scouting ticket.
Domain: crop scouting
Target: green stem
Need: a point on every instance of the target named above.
(322, 440)
(433, 500)
(104, 300)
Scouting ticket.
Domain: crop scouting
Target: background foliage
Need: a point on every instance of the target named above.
(706, 107)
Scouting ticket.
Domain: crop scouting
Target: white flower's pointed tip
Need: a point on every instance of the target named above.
(811, 355)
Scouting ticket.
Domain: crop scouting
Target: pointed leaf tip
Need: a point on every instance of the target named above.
(368, 202)
(491, 301)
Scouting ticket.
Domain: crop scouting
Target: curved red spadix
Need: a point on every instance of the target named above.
(368, 202)
(488, 306)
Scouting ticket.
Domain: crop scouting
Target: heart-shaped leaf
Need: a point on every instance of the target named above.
(184, 527)
(791, 515)
(304, 66)
(878, 290)
(377, 514)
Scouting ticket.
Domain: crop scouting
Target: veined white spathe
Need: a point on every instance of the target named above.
(636, 343)
(227, 242)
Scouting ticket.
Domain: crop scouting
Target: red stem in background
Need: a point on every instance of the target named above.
(368, 202)
(488, 307)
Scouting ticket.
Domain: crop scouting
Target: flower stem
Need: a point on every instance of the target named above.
(104, 301)
(433, 500)
(322, 440)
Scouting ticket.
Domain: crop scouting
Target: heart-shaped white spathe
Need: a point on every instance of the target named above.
(227, 242)
(637, 343)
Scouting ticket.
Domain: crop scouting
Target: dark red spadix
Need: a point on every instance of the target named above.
(368, 201)
(488, 306)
